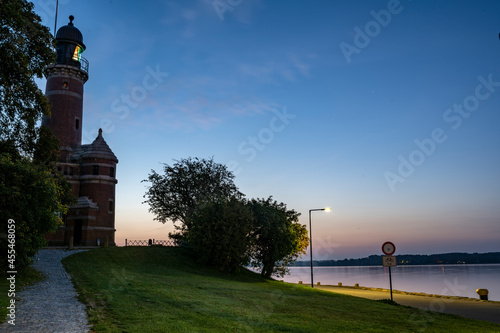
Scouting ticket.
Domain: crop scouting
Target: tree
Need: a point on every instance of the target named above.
(26, 49)
(278, 238)
(186, 185)
(46, 148)
(222, 229)
(219, 234)
(32, 193)
(34, 199)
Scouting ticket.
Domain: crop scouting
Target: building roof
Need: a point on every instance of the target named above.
(69, 33)
(97, 149)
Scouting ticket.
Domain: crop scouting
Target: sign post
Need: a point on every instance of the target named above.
(389, 260)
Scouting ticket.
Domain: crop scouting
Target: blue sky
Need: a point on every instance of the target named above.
(385, 111)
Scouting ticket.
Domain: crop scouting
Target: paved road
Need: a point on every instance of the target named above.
(475, 309)
(51, 305)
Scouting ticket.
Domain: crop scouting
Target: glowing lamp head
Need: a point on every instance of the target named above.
(327, 209)
(69, 45)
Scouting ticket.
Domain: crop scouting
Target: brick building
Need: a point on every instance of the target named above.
(90, 168)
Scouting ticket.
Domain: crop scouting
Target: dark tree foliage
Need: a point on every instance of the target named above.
(222, 229)
(219, 234)
(34, 198)
(32, 193)
(184, 186)
(278, 238)
(46, 148)
(26, 48)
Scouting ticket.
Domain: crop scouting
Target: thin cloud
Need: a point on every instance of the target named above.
(189, 14)
(292, 69)
(200, 113)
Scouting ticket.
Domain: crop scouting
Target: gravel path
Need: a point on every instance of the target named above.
(51, 305)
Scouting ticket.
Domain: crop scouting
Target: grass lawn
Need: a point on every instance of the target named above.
(160, 289)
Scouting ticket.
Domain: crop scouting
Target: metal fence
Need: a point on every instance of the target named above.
(150, 242)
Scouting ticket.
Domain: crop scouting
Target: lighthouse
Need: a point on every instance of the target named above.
(89, 168)
(65, 80)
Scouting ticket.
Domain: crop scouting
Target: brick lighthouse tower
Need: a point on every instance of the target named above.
(90, 168)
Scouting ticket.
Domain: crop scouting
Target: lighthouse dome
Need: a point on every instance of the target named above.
(69, 33)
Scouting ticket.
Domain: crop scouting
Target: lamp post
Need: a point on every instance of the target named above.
(327, 209)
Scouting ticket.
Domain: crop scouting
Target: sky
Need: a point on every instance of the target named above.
(385, 111)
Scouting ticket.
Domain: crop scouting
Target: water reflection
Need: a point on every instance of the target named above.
(450, 280)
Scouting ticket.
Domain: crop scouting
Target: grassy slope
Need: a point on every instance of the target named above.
(155, 289)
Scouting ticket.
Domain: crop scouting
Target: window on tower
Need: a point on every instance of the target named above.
(77, 123)
(110, 208)
(95, 170)
(111, 172)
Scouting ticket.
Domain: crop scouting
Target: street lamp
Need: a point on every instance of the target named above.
(327, 209)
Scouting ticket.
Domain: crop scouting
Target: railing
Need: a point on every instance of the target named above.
(150, 242)
(83, 63)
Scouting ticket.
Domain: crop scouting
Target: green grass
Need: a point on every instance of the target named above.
(158, 289)
(24, 277)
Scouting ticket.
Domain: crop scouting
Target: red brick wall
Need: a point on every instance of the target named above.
(64, 89)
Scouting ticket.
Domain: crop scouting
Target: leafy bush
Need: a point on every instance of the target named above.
(278, 239)
(30, 196)
(219, 234)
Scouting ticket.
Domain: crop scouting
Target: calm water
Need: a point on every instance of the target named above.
(450, 280)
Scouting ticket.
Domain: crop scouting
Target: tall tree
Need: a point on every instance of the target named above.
(32, 194)
(184, 186)
(278, 238)
(26, 48)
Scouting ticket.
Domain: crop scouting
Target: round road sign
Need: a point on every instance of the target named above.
(388, 248)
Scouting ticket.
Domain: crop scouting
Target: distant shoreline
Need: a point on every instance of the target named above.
(412, 260)
(380, 265)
